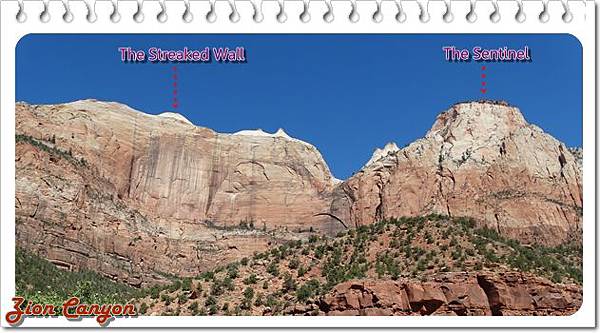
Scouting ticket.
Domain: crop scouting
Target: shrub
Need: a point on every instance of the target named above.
(174, 286)
(251, 279)
(248, 293)
(207, 276)
(294, 263)
(258, 301)
(193, 307)
(210, 301)
(302, 270)
(166, 298)
(232, 271)
(308, 290)
(186, 285)
(273, 269)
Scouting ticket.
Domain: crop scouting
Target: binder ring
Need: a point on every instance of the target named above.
(115, 16)
(567, 16)
(281, 15)
(328, 16)
(257, 15)
(187, 16)
(471, 15)
(378, 15)
(45, 14)
(211, 16)
(424, 11)
(495, 15)
(353, 16)
(162, 15)
(91, 11)
(448, 16)
(544, 15)
(234, 16)
(138, 16)
(305, 15)
(401, 15)
(21, 16)
(68, 15)
(520, 15)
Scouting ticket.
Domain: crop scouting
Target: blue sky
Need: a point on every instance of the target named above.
(345, 94)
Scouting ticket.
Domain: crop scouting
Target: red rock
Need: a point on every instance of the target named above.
(425, 298)
(460, 293)
(481, 160)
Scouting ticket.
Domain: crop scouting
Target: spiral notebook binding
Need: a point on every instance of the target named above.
(305, 16)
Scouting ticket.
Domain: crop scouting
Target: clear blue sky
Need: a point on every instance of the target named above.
(346, 94)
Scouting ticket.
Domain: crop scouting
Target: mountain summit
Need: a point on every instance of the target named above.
(479, 159)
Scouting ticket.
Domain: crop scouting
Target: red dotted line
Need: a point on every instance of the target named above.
(483, 83)
(175, 103)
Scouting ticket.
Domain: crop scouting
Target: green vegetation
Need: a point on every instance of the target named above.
(301, 272)
(51, 148)
(40, 281)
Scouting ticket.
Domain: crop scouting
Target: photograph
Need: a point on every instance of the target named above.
(298, 175)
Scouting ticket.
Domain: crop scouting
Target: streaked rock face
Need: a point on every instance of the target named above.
(171, 169)
(481, 160)
(137, 197)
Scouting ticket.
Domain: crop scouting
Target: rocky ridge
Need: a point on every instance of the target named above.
(413, 266)
(481, 160)
(139, 197)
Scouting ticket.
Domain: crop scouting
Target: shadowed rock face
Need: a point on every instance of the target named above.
(102, 186)
(481, 160)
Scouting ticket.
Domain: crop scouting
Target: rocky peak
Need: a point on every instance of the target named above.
(379, 154)
(176, 116)
(260, 133)
(480, 159)
(476, 121)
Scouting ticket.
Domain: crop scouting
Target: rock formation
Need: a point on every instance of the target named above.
(481, 160)
(102, 186)
(138, 197)
(171, 169)
(508, 294)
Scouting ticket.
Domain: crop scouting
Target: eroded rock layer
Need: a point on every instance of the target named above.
(479, 159)
(473, 294)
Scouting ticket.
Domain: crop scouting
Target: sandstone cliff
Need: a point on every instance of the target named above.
(140, 197)
(171, 169)
(479, 159)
